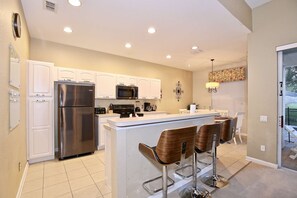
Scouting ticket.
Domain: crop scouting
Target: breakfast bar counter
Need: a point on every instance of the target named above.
(126, 167)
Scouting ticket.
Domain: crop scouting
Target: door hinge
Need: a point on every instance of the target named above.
(281, 121)
(280, 88)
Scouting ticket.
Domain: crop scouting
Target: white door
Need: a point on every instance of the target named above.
(40, 76)
(40, 128)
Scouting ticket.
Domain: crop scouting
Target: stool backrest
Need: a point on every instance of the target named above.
(205, 135)
(174, 143)
(228, 129)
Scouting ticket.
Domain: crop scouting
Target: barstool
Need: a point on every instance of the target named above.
(208, 138)
(173, 145)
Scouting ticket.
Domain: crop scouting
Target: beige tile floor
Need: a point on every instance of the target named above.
(81, 177)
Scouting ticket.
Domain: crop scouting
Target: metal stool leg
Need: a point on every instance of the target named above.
(215, 180)
(164, 182)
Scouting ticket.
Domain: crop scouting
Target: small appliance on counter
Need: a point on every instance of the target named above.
(100, 110)
(147, 106)
(137, 104)
(154, 107)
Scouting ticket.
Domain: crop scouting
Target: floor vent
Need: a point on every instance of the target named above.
(50, 5)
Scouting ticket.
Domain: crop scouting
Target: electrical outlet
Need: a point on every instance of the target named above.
(262, 148)
(263, 118)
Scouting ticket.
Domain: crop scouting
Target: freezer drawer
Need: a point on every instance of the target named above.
(76, 131)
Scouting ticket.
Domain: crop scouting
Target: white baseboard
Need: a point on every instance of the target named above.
(22, 181)
(261, 162)
(41, 159)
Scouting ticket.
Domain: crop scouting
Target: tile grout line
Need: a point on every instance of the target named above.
(93, 178)
(71, 192)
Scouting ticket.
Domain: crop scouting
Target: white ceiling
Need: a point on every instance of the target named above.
(106, 25)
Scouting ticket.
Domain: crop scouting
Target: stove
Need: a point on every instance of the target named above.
(125, 110)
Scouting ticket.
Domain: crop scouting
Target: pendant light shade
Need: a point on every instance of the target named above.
(211, 85)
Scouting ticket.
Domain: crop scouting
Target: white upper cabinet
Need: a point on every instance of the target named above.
(149, 88)
(155, 88)
(126, 80)
(85, 76)
(66, 74)
(143, 88)
(40, 76)
(106, 85)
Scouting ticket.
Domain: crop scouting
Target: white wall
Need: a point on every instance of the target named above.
(231, 96)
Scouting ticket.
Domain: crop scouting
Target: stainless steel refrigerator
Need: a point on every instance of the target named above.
(75, 118)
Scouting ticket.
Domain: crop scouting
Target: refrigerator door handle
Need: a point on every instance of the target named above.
(61, 125)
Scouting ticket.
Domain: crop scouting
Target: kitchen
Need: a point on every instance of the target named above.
(65, 55)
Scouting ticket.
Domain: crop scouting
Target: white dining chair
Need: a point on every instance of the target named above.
(239, 116)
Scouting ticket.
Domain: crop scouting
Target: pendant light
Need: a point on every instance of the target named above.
(211, 85)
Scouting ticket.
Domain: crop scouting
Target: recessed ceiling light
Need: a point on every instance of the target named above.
(67, 29)
(168, 56)
(151, 30)
(74, 2)
(189, 65)
(128, 45)
(194, 47)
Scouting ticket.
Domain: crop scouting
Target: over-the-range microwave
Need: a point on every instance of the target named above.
(126, 92)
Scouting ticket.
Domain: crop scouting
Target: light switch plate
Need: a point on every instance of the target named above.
(263, 118)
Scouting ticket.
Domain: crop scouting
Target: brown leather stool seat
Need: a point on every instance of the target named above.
(172, 145)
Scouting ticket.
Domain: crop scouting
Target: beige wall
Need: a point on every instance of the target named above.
(68, 56)
(274, 24)
(200, 93)
(12, 143)
(240, 10)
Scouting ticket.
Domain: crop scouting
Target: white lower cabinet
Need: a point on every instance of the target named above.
(100, 130)
(40, 129)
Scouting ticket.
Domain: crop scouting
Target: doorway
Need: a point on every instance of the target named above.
(287, 108)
